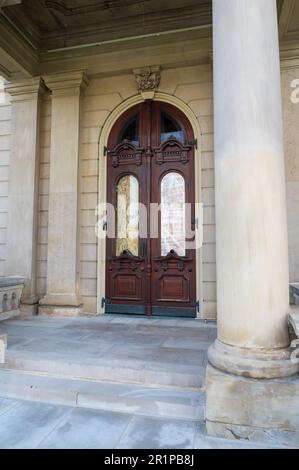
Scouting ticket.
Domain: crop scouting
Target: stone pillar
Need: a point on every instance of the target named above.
(62, 283)
(23, 187)
(252, 250)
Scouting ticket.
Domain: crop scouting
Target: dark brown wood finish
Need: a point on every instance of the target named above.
(149, 283)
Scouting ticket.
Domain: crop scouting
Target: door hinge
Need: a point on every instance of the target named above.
(105, 226)
(104, 301)
(106, 151)
(198, 306)
(194, 143)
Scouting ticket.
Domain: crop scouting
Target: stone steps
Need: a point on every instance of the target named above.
(110, 369)
(127, 398)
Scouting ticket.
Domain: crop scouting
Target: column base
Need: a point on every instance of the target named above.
(64, 305)
(250, 409)
(253, 363)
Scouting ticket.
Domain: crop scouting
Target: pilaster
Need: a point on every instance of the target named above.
(62, 284)
(23, 186)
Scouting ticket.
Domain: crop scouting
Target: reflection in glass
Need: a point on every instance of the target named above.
(130, 131)
(127, 215)
(173, 219)
(170, 129)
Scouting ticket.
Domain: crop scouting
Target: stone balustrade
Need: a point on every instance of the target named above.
(3, 346)
(294, 327)
(294, 293)
(10, 296)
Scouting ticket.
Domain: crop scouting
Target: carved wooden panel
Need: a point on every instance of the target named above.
(173, 288)
(125, 154)
(172, 151)
(126, 286)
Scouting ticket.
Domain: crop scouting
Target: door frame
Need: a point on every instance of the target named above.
(102, 187)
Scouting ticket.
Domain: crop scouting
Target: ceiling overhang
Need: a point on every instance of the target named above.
(44, 35)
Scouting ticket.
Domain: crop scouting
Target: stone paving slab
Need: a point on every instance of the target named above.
(28, 425)
(150, 433)
(126, 398)
(87, 429)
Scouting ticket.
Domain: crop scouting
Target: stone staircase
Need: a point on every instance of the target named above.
(151, 368)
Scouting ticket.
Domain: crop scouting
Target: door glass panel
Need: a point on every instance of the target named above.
(173, 218)
(127, 215)
(170, 129)
(130, 131)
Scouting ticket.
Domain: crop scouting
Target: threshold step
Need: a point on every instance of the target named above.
(126, 398)
(160, 374)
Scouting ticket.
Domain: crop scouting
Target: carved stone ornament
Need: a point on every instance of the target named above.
(294, 326)
(148, 81)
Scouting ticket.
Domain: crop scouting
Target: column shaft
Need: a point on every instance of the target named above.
(252, 250)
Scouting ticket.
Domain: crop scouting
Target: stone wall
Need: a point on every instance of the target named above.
(193, 85)
(291, 140)
(5, 138)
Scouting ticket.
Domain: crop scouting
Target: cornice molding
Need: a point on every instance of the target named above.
(16, 48)
(286, 11)
(290, 63)
(67, 83)
(26, 90)
(7, 3)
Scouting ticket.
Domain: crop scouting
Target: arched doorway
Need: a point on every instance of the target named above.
(151, 262)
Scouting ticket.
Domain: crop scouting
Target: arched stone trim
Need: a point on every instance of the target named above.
(102, 190)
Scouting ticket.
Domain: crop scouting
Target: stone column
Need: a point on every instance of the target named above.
(62, 283)
(23, 186)
(252, 250)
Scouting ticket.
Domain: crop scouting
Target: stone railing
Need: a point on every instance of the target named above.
(294, 329)
(10, 296)
(3, 346)
(294, 293)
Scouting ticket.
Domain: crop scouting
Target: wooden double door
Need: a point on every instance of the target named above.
(150, 255)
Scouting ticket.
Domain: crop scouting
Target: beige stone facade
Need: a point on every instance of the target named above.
(192, 85)
(65, 90)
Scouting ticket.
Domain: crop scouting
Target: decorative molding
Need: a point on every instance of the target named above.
(172, 151)
(289, 61)
(148, 80)
(171, 260)
(125, 153)
(126, 259)
(91, 8)
(21, 56)
(67, 84)
(26, 90)
(286, 11)
(8, 3)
